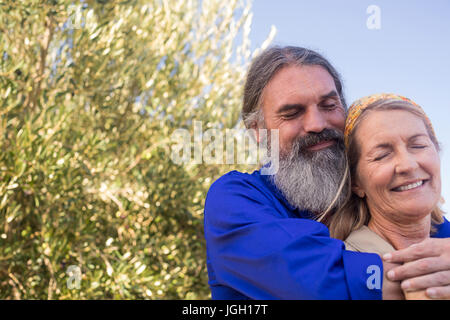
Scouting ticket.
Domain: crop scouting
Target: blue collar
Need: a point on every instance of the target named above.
(268, 181)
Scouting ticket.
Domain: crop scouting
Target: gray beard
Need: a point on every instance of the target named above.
(310, 180)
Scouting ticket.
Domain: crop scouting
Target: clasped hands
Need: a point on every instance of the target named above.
(421, 271)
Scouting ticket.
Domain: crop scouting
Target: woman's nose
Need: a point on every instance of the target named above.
(406, 162)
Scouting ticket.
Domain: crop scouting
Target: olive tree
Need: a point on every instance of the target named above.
(91, 205)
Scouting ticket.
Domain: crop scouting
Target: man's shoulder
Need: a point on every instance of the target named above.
(239, 188)
(238, 198)
(234, 181)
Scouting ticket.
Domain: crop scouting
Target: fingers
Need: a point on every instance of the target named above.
(442, 293)
(416, 295)
(418, 268)
(426, 265)
(426, 248)
(437, 279)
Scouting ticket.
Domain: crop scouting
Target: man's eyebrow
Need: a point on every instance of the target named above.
(296, 106)
(331, 94)
(288, 107)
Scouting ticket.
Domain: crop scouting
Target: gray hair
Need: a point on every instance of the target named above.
(269, 62)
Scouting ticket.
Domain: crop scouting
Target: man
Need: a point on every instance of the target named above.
(262, 238)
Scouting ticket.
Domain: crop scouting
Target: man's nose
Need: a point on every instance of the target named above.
(406, 162)
(314, 120)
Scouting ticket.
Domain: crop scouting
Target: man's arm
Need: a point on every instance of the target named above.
(265, 256)
(425, 265)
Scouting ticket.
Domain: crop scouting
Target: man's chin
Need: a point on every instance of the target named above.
(310, 180)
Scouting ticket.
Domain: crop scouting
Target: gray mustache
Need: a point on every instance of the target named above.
(314, 138)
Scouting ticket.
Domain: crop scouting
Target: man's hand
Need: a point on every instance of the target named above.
(391, 289)
(426, 265)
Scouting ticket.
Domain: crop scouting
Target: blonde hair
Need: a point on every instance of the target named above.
(354, 213)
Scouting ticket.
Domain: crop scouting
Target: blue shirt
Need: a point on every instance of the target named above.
(261, 247)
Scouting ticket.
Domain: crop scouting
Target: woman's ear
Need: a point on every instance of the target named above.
(358, 190)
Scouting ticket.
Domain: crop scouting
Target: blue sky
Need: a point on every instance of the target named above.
(408, 55)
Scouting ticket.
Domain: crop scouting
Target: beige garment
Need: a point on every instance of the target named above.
(365, 240)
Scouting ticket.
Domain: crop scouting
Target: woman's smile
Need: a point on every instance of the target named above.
(410, 186)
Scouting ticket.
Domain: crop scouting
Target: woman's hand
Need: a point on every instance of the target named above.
(416, 295)
(426, 265)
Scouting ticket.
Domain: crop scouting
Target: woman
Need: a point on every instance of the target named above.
(394, 171)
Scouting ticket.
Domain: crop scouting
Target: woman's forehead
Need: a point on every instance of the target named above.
(389, 124)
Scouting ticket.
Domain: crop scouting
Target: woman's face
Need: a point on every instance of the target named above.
(398, 171)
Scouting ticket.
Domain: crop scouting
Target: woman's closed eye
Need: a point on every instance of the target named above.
(381, 156)
(419, 142)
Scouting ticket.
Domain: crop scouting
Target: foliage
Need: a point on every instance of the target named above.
(90, 94)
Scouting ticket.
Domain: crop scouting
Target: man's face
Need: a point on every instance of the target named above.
(303, 104)
(299, 100)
